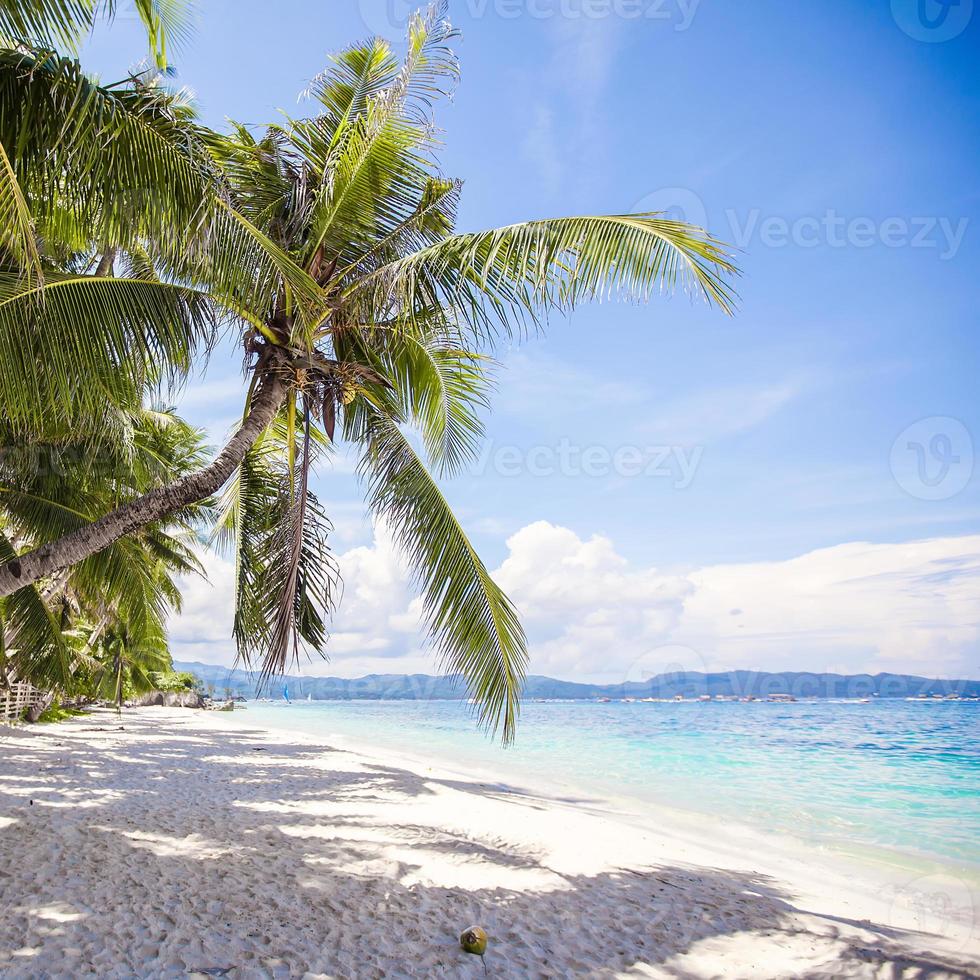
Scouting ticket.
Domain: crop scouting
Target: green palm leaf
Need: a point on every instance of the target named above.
(74, 344)
(371, 151)
(117, 161)
(286, 576)
(16, 227)
(64, 23)
(34, 647)
(521, 270)
(435, 384)
(476, 627)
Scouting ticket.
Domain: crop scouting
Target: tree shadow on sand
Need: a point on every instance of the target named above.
(339, 891)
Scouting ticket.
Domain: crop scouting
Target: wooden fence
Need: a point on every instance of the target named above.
(16, 699)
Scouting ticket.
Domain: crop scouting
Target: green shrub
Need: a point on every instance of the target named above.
(57, 713)
(175, 681)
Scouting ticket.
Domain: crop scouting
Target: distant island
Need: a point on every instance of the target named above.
(229, 682)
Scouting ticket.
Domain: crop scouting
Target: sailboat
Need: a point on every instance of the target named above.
(285, 693)
(309, 697)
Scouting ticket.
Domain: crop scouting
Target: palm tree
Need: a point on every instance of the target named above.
(52, 486)
(327, 243)
(126, 660)
(65, 23)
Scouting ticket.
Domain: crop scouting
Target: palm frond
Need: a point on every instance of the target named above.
(56, 22)
(354, 77)
(476, 627)
(65, 23)
(521, 270)
(117, 161)
(168, 25)
(435, 384)
(34, 646)
(371, 158)
(16, 226)
(287, 580)
(73, 344)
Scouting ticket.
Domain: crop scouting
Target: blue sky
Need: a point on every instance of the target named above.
(812, 443)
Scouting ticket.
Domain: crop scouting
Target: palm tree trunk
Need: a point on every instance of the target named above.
(104, 267)
(35, 712)
(4, 679)
(86, 541)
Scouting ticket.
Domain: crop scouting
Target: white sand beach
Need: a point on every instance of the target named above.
(168, 842)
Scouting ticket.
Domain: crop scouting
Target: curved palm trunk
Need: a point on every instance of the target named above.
(86, 541)
(118, 668)
(35, 712)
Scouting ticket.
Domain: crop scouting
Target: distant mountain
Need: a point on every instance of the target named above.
(740, 683)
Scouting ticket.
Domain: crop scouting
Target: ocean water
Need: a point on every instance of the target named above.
(898, 780)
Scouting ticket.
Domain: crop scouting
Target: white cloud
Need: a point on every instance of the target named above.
(854, 607)
(584, 52)
(572, 86)
(378, 618)
(208, 393)
(584, 607)
(908, 607)
(591, 614)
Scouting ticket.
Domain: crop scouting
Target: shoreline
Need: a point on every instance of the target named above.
(870, 871)
(890, 861)
(372, 862)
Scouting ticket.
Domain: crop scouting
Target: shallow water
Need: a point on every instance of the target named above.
(890, 777)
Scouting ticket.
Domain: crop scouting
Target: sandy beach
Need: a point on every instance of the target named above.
(168, 842)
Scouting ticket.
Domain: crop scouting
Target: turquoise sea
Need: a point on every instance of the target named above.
(898, 780)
